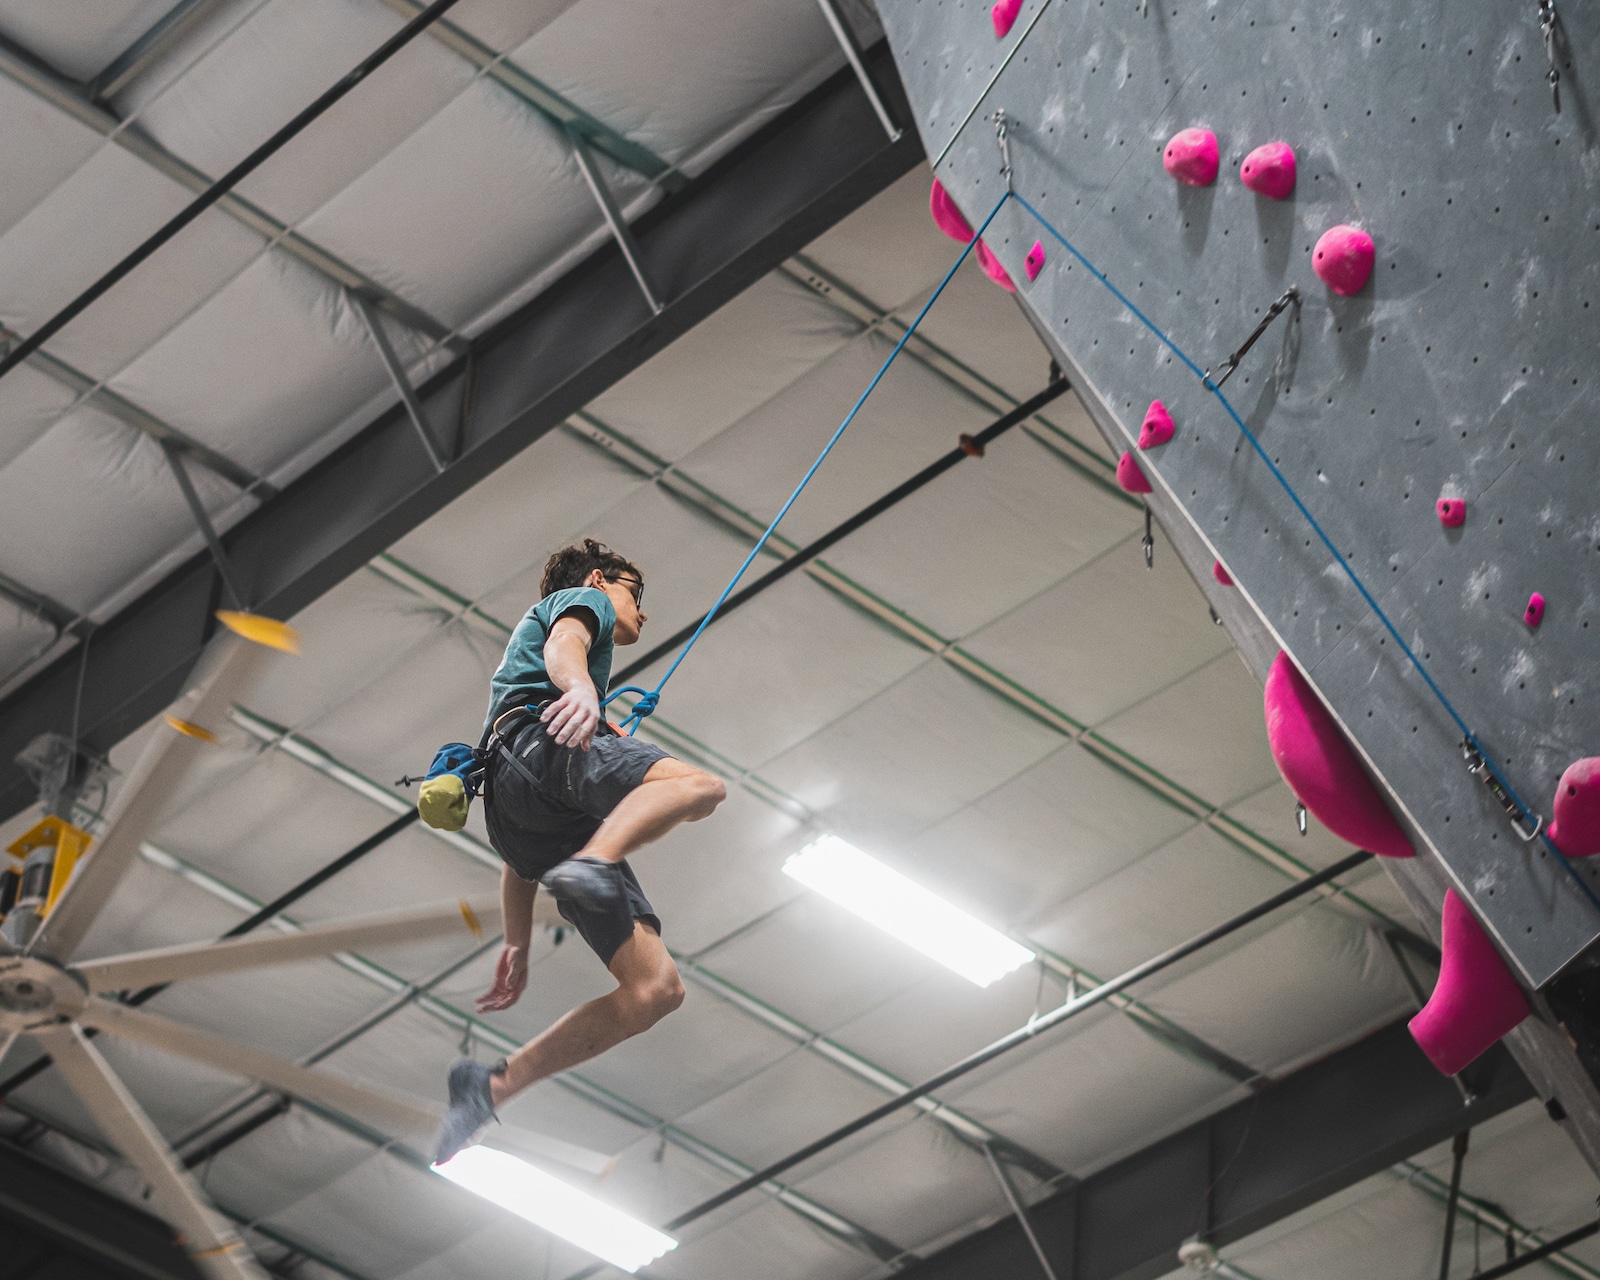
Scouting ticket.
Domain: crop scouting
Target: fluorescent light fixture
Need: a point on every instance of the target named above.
(547, 1202)
(882, 896)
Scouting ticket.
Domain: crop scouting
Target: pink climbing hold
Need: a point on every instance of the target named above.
(1475, 1001)
(1533, 615)
(1192, 157)
(1129, 476)
(1033, 264)
(1452, 512)
(992, 268)
(1221, 574)
(1157, 427)
(1322, 770)
(1269, 170)
(1575, 829)
(946, 216)
(1343, 259)
(1003, 15)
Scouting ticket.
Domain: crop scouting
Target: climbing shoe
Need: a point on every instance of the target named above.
(471, 1106)
(588, 884)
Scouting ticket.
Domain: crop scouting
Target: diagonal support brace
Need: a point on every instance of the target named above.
(846, 37)
(1017, 1208)
(613, 215)
(397, 375)
(208, 531)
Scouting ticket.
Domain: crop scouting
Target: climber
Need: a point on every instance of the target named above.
(567, 798)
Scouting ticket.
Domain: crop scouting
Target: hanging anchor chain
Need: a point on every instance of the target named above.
(1291, 297)
(1000, 127)
(1547, 29)
(1478, 767)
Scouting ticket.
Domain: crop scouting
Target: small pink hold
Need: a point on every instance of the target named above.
(1452, 512)
(1192, 157)
(1129, 476)
(992, 268)
(1343, 259)
(1475, 1001)
(1033, 264)
(1269, 170)
(946, 216)
(1003, 15)
(1221, 574)
(1157, 427)
(1533, 615)
(1575, 829)
(1315, 760)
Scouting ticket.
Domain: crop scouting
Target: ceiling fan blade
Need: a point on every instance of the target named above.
(389, 1113)
(158, 773)
(210, 1238)
(354, 933)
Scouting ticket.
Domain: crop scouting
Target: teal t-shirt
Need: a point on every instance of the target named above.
(521, 679)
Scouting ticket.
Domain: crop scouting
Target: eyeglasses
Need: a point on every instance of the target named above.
(635, 588)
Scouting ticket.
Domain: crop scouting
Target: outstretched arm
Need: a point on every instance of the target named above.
(573, 717)
(511, 969)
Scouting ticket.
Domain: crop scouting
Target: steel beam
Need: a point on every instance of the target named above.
(1300, 1140)
(160, 36)
(764, 201)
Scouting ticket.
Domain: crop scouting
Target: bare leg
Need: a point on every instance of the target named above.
(672, 792)
(649, 990)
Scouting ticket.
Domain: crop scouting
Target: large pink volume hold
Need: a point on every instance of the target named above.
(1191, 156)
(1575, 829)
(1476, 1000)
(946, 216)
(1322, 770)
(1343, 259)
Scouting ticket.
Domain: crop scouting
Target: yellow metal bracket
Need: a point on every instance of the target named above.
(68, 841)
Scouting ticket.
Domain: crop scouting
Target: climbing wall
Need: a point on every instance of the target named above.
(1459, 372)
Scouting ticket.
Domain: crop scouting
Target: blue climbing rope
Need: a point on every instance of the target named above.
(650, 698)
(1340, 560)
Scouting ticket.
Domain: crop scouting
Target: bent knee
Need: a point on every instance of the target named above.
(653, 1001)
(707, 792)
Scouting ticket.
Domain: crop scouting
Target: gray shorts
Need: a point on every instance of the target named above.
(533, 825)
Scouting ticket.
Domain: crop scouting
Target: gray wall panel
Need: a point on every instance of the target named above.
(1431, 126)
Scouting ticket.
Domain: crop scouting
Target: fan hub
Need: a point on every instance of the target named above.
(35, 991)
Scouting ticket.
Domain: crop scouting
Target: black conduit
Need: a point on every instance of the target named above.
(971, 446)
(56, 323)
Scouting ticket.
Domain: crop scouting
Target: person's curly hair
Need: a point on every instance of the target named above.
(569, 566)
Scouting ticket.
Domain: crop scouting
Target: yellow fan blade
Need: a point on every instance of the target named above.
(191, 730)
(261, 630)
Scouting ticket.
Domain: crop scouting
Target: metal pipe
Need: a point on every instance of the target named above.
(1541, 1253)
(931, 472)
(1017, 1208)
(1458, 1149)
(613, 215)
(1022, 1035)
(397, 375)
(223, 185)
(852, 52)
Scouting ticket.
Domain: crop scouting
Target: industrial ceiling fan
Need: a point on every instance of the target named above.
(59, 1002)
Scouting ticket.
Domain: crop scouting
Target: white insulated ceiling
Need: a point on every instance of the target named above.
(942, 689)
